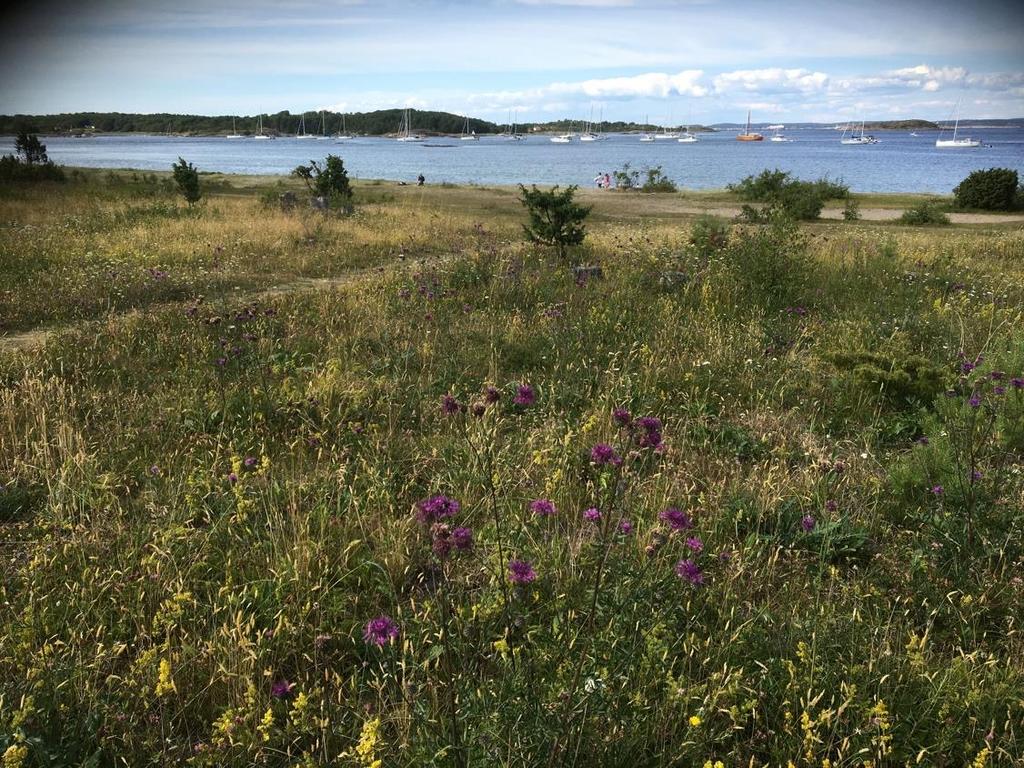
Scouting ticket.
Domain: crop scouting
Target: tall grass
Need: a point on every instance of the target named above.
(206, 503)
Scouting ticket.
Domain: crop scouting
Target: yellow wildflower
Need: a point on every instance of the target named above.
(695, 720)
(164, 682)
(266, 724)
(368, 743)
(14, 756)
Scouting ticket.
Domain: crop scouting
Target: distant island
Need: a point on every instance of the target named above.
(383, 122)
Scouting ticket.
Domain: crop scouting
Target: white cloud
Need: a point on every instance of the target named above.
(771, 80)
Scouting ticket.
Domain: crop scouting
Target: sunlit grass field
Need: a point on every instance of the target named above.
(750, 498)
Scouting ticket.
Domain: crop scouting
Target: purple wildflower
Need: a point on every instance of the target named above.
(525, 396)
(831, 506)
(154, 470)
(221, 361)
(807, 522)
(676, 519)
(690, 571)
(996, 375)
(922, 441)
(380, 631)
(281, 688)
(695, 544)
(462, 538)
(436, 508)
(232, 478)
(249, 462)
(520, 572)
(651, 428)
(625, 527)
(1017, 382)
(938, 490)
(542, 507)
(449, 405)
(491, 395)
(602, 453)
(622, 417)
(592, 515)
(975, 400)
(999, 389)
(976, 475)
(442, 546)
(966, 367)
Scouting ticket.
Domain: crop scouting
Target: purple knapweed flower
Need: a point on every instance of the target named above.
(602, 453)
(996, 375)
(249, 462)
(462, 538)
(831, 505)
(651, 431)
(695, 545)
(1017, 382)
(221, 362)
(232, 478)
(690, 571)
(154, 470)
(807, 522)
(938, 490)
(542, 507)
(976, 475)
(592, 515)
(622, 417)
(449, 405)
(520, 572)
(625, 527)
(975, 400)
(281, 688)
(492, 395)
(442, 546)
(380, 631)
(436, 508)
(966, 367)
(676, 519)
(998, 389)
(525, 396)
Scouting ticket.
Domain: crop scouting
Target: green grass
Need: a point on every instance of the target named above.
(156, 587)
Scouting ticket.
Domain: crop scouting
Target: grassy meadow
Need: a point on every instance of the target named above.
(397, 489)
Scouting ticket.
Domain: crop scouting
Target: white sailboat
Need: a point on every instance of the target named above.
(857, 140)
(234, 131)
(666, 134)
(510, 133)
(302, 129)
(405, 133)
(957, 143)
(323, 127)
(260, 135)
(467, 134)
(588, 129)
(646, 136)
(342, 134)
(562, 138)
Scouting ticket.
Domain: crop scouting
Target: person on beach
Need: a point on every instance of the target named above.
(420, 180)
(599, 180)
(607, 181)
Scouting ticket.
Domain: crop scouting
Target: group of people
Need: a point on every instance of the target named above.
(603, 181)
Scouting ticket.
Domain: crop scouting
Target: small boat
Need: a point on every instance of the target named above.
(342, 135)
(323, 127)
(912, 133)
(957, 143)
(234, 132)
(562, 138)
(260, 135)
(747, 135)
(588, 131)
(646, 137)
(666, 135)
(405, 132)
(687, 138)
(857, 140)
(467, 134)
(779, 137)
(302, 129)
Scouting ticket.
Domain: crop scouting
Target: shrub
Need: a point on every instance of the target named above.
(801, 200)
(627, 178)
(991, 190)
(554, 218)
(708, 235)
(924, 214)
(763, 187)
(328, 183)
(13, 170)
(851, 211)
(657, 181)
(186, 177)
(30, 149)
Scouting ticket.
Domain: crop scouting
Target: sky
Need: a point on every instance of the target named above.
(668, 62)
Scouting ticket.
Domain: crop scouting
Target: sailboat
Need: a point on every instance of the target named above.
(234, 132)
(302, 129)
(323, 127)
(747, 135)
(666, 134)
(646, 136)
(563, 138)
(588, 129)
(467, 134)
(862, 139)
(342, 134)
(509, 134)
(259, 132)
(778, 136)
(965, 143)
(405, 132)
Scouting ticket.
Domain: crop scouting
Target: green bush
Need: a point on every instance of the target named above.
(328, 183)
(800, 200)
(657, 181)
(13, 170)
(186, 177)
(924, 214)
(554, 218)
(851, 211)
(708, 235)
(993, 190)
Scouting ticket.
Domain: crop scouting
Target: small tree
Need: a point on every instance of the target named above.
(555, 219)
(991, 190)
(187, 178)
(328, 183)
(30, 149)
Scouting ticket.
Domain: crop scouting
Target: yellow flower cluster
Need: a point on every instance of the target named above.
(14, 756)
(164, 681)
(367, 746)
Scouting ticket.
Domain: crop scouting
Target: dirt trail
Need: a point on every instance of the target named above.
(36, 337)
(871, 214)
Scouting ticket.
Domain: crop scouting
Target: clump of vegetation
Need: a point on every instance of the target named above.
(925, 213)
(186, 179)
(996, 189)
(555, 219)
(30, 162)
(911, 378)
(709, 234)
(851, 211)
(648, 180)
(782, 194)
(329, 185)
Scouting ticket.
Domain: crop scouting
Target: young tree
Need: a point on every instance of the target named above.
(187, 178)
(555, 219)
(328, 183)
(30, 148)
